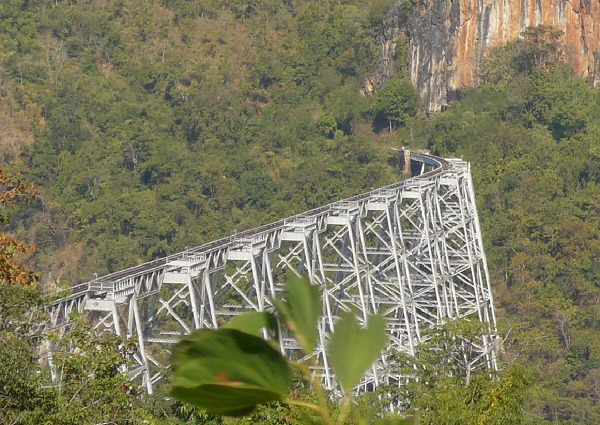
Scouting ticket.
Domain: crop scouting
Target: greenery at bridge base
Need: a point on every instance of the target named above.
(214, 367)
(91, 388)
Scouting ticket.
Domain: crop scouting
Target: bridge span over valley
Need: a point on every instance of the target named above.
(411, 251)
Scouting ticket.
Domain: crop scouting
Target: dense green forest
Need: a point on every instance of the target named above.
(152, 125)
(165, 124)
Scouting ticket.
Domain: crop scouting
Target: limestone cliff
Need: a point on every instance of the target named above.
(450, 38)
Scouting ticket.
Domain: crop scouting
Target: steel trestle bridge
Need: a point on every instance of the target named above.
(411, 251)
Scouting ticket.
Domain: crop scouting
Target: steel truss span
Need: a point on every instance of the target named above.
(411, 251)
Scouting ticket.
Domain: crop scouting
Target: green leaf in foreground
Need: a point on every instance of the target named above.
(229, 372)
(353, 350)
(253, 322)
(301, 310)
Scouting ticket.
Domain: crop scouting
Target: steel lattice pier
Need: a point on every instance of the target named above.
(411, 251)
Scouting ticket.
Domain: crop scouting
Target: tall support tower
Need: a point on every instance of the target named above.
(411, 251)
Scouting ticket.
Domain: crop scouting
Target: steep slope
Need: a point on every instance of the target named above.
(450, 38)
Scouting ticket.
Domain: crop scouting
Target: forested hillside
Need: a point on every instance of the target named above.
(164, 124)
(152, 125)
(532, 134)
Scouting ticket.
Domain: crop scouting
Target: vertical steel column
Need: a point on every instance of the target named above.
(141, 344)
(115, 316)
(209, 292)
(193, 302)
(429, 225)
(490, 317)
(397, 238)
(355, 264)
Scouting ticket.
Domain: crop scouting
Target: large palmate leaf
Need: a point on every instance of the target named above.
(229, 372)
(301, 310)
(353, 350)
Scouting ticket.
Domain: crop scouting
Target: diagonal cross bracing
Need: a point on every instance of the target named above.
(411, 251)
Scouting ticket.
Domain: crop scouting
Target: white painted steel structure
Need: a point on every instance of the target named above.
(411, 251)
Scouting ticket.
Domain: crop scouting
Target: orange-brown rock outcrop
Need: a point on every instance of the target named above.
(450, 38)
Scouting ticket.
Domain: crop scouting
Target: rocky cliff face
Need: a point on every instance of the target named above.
(450, 38)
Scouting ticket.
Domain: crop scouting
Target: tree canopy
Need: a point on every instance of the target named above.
(398, 101)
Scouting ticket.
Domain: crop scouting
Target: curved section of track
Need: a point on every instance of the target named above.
(427, 166)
